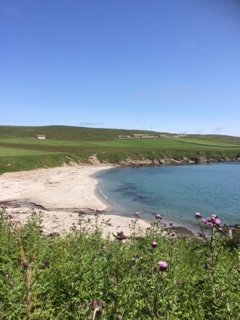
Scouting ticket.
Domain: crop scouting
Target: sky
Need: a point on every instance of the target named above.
(163, 65)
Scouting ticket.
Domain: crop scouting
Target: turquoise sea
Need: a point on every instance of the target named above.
(176, 192)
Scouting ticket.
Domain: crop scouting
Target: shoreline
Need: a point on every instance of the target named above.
(55, 191)
(184, 229)
(63, 191)
(58, 194)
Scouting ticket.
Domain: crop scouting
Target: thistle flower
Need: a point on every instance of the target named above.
(81, 212)
(214, 216)
(217, 221)
(209, 224)
(173, 235)
(198, 215)
(154, 244)
(163, 266)
(163, 223)
(120, 236)
(158, 216)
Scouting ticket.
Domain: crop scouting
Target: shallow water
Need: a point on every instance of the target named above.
(176, 192)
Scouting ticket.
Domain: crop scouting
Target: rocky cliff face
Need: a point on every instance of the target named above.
(93, 159)
(171, 161)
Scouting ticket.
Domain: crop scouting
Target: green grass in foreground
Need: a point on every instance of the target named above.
(83, 276)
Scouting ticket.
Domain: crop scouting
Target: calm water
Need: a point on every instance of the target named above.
(176, 192)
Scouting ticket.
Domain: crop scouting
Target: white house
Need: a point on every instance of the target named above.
(41, 137)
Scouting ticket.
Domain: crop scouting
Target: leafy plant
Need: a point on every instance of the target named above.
(84, 276)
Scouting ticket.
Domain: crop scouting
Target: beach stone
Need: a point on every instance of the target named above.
(201, 159)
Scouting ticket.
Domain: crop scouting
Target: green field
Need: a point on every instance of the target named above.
(20, 152)
(19, 148)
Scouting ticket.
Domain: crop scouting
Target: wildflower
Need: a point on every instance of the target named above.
(204, 221)
(154, 244)
(217, 221)
(163, 266)
(201, 234)
(73, 227)
(198, 215)
(120, 236)
(163, 223)
(173, 235)
(158, 216)
(97, 211)
(214, 216)
(3, 205)
(170, 224)
(209, 224)
(81, 212)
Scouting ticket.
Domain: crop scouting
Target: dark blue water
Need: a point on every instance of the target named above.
(176, 192)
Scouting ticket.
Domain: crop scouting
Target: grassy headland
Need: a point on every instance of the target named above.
(20, 150)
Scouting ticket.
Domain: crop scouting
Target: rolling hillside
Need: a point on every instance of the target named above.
(21, 150)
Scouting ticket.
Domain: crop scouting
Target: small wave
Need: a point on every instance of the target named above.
(103, 194)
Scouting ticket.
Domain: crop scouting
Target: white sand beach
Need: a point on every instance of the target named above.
(61, 192)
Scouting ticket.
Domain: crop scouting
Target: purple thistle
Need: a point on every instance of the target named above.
(209, 224)
(163, 223)
(217, 221)
(214, 216)
(198, 215)
(158, 216)
(120, 236)
(163, 266)
(154, 244)
(173, 235)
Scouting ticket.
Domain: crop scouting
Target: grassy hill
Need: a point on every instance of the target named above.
(65, 132)
(20, 150)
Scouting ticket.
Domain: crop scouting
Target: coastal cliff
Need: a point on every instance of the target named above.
(128, 161)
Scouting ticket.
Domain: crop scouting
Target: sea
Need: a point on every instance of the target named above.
(175, 192)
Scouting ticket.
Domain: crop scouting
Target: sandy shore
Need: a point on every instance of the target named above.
(61, 192)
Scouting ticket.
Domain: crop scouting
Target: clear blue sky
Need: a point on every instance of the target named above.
(170, 65)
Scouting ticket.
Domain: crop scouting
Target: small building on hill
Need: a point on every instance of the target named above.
(41, 137)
